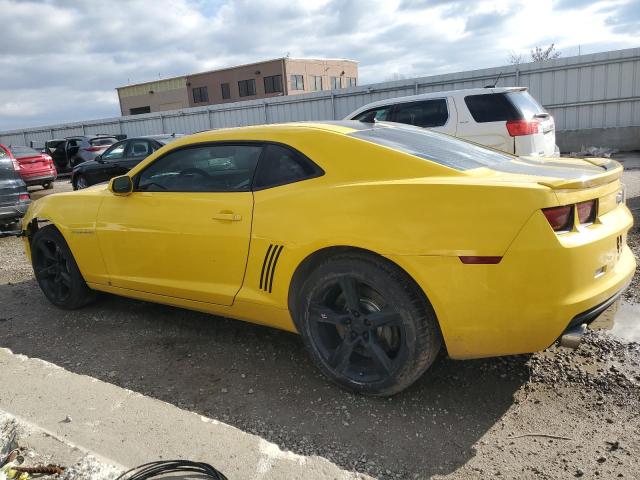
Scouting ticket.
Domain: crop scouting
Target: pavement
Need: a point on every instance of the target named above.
(80, 414)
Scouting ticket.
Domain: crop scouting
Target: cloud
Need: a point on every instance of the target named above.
(60, 60)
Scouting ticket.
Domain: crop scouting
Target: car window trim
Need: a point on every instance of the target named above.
(261, 143)
(395, 107)
(136, 178)
(318, 171)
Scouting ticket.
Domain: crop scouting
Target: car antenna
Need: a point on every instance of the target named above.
(494, 83)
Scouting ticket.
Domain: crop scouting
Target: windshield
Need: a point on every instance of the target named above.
(436, 147)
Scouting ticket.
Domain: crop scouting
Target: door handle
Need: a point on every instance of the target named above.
(229, 217)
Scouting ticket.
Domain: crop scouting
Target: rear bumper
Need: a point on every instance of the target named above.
(39, 179)
(525, 302)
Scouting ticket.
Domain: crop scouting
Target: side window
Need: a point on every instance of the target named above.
(380, 113)
(204, 168)
(491, 107)
(428, 113)
(138, 149)
(116, 152)
(280, 165)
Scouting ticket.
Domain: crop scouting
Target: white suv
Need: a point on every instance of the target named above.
(507, 118)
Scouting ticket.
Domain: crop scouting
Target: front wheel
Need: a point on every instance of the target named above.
(56, 270)
(81, 182)
(367, 325)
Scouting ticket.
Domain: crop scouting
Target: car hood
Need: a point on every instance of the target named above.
(555, 172)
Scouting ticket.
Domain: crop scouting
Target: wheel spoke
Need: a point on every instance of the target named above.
(349, 287)
(47, 272)
(378, 355)
(339, 359)
(384, 318)
(47, 254)
(322, 314)
(65, 278)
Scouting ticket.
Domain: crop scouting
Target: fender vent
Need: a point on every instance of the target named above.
(269, 267)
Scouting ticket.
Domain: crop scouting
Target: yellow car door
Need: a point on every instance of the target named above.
(185, 229)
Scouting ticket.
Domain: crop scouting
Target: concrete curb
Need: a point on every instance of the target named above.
(126, 428)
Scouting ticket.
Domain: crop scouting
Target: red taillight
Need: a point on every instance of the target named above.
(480, 260)
(560, 218)
(586, 211)
(517, 128)
(23, 197)
(93, 149)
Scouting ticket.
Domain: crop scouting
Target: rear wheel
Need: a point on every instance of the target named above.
(367, 325)
(81, 182)
(47, 186)
(56, 270)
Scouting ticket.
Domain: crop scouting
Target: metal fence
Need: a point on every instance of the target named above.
(589, 91)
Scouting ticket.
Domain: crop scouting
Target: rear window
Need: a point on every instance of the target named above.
(165, 140)
(500, 107)
(436, 147)
(22, 152)
(97, 142)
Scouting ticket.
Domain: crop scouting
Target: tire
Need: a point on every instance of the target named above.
(56, 270)
(47, 186)
(366, 324)
(80, 183)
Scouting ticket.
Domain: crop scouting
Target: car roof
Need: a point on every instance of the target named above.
(442, 94)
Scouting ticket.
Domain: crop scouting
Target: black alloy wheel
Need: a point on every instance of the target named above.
(367, 325)
(56, 270)
(357, 333)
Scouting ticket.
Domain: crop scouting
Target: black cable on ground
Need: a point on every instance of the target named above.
(162, 467)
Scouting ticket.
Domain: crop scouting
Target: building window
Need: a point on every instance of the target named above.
(335, 83)
(247, 87)
(297, 82)
(139, 110)
(200, 95)
(273, 84)
(226, 91)
(351, 81)
(316, 83)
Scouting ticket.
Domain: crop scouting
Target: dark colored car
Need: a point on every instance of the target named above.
(71, 151)
(117, 160)
(35, 168)
(14, 197)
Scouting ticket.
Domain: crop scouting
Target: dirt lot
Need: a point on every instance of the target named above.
(471, 419)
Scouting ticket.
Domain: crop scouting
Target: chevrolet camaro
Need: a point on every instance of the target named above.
(378, 243)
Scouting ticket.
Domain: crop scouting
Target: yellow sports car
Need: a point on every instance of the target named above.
(377, 242)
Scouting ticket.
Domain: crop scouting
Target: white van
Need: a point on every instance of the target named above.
(506, 118)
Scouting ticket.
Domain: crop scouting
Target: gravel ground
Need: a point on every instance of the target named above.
(463, 419)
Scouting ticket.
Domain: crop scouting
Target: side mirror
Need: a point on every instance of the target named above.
(121, 185)
(98, 159)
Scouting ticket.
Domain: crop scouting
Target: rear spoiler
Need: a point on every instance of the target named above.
(612, 171)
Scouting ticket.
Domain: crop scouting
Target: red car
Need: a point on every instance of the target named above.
(35, 168)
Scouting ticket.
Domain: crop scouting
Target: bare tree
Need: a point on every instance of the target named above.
(514, 58)
(540, 54)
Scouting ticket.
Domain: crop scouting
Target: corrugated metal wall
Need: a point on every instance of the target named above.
(590, 91)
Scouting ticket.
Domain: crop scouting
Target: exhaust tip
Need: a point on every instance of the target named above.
(572, 338)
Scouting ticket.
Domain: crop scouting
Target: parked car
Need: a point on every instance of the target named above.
(118, 159)
(14, 197)
(71, 151)
(35, 168)
(507, 119)
(376, 242)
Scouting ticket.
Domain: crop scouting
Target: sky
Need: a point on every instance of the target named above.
(61, 60)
